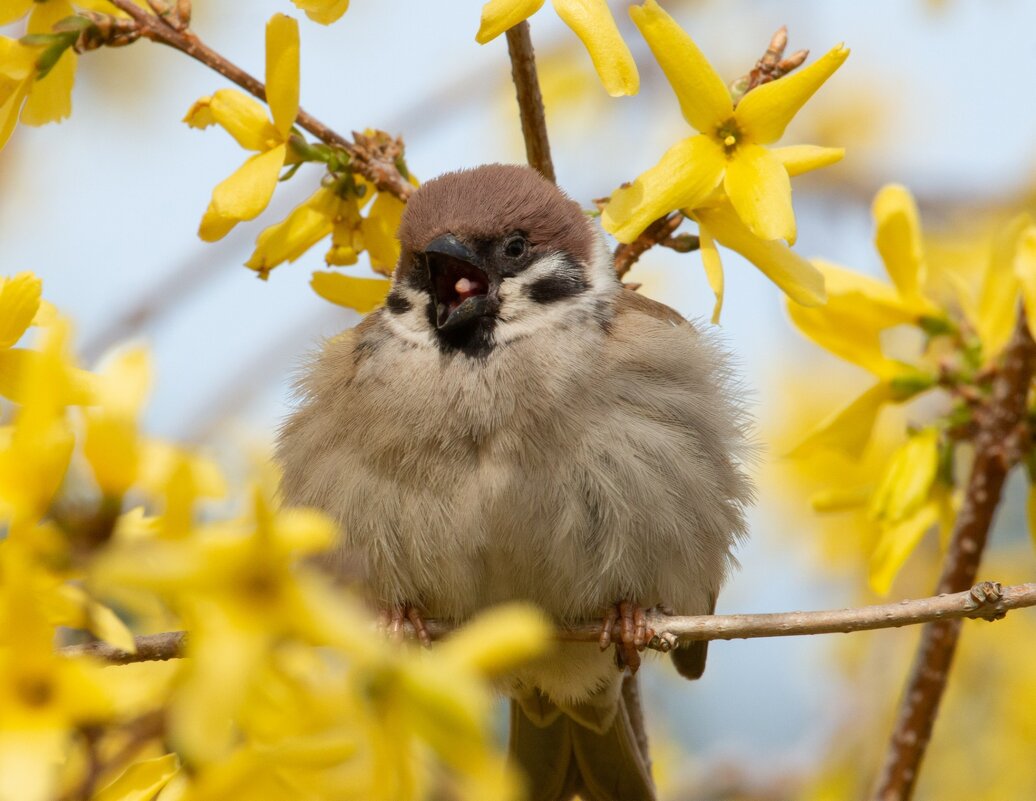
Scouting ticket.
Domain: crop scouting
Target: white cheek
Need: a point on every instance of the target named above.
(521, 316)
(412, 325)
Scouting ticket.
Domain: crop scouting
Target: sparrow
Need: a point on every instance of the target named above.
(514, 424)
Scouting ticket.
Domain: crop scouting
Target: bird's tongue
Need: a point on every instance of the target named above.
(466, 288)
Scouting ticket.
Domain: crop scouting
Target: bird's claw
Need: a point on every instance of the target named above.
(393, 622)
(634, 634)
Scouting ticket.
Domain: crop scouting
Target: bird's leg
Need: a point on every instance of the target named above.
(393, 621)
(634, 634)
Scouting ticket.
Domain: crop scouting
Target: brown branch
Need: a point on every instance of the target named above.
(530, 101)
(377, 164)
(987, 600)
(150, 648)
(998, 446)
(658, 233)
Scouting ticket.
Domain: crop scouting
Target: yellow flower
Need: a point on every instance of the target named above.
(360, 294)
(334, 211)
(859, 309)
(36, 448)
(730, 147)
(43, 697)
(1011, 272)
(51, 98)
(247, 192)
(591, 21)
(323, 11)
(112, 445)
(17, 73)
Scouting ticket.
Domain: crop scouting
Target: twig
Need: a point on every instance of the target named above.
(378, 167)
(150, 648)
(658, 233)
(997, 449)
(530, 101)
(987, 600)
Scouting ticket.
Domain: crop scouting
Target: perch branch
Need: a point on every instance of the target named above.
(530, 101)
(377, 164)
(998, 447)
(987, 600)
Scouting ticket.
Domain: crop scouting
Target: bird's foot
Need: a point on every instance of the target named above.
(393, 622)
(634, 634)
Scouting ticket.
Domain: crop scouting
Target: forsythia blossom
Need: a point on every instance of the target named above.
(591, 21)
(287, 692)
(730, 146)
(247, 192)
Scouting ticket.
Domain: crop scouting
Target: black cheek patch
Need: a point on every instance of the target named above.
(567, 283)
(397, 304)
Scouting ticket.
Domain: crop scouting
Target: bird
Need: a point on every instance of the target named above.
(514, 424)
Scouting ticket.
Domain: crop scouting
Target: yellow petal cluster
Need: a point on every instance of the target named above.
(860, 309)
(248, 191)
(590, 20)
(335, 210)
(288, 691)
(729, 148)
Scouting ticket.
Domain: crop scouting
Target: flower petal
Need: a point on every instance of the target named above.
(898, 240)
(241, 116)
(379, 232)
(998, 302)
(760, 191)
(907, 478)
(307, 224)
(282, 71)
(323, 11)
(50, 99)
(765, 112)
(849, 429)
(1025, 271)
(796, 277)
(713, 269)
(592, 22)
(897, 543)
(704, 98)
(19, 302)
(684, 176)
(499, 15)
(362, 294)
(14, 10)
(856, 339)
(798, 159)
(142, 780)
(244, 194)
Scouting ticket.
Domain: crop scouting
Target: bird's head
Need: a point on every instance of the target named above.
(492, 254)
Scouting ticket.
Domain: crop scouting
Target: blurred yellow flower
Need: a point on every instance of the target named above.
(590, 20)
(730, 146)
(247, 192)
(323, 11)
(111, 444)
(43, 697)
(51, 98)
(1010, 274)
(859, 309)
(17, 73)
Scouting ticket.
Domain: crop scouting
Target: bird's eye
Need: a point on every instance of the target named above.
(516, 246)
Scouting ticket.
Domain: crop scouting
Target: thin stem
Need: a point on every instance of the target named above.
(997, 449)
(380, 169)
(987, 600)
(530, 101)
(659, 232)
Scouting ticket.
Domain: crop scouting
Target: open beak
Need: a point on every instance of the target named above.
(460, 287)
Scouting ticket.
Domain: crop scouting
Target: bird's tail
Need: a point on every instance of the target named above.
(595, 750)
